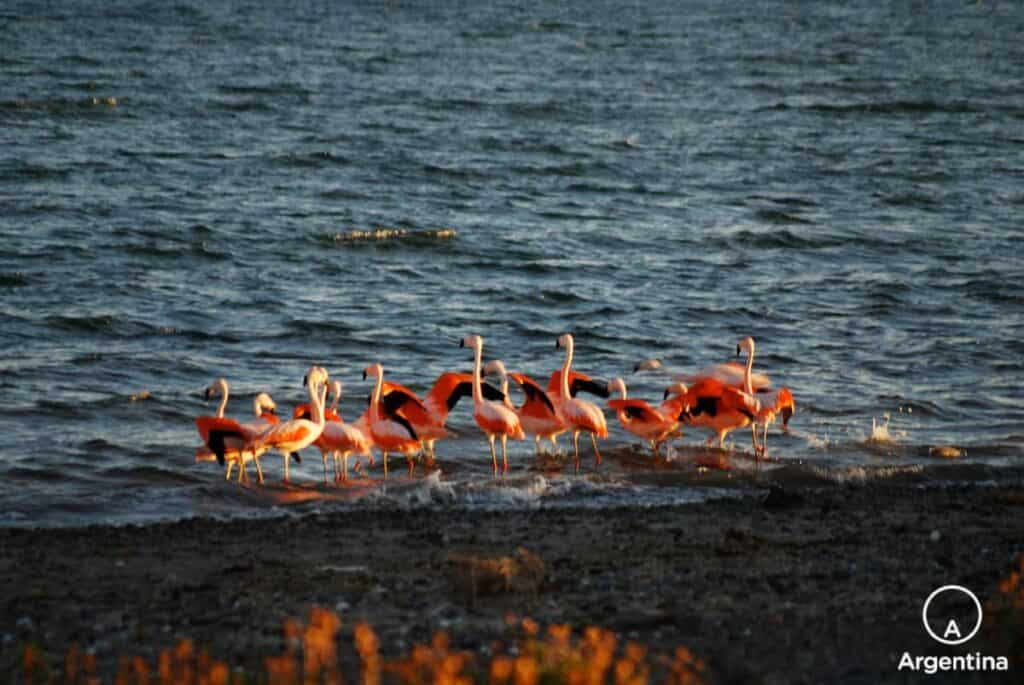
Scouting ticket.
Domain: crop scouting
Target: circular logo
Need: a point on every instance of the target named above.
(952, 627)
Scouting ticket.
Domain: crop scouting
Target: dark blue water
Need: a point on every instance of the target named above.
(181, 185)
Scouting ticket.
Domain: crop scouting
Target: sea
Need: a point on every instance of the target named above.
(193, 190)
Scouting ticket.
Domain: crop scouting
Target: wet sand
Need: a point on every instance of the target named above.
(817, 585)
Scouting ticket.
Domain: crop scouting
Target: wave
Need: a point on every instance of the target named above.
(393, 235)
(882, 108)
(309, 160)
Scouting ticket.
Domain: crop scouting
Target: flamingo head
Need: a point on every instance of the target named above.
(675, 389)
(745, 345)
(264, 403)
(473, 342)
(315, 377)
(219, 387)
(336, 388)
(564, 341)
(647, 365)
(373, 371)
(495, 367)
(617, 385)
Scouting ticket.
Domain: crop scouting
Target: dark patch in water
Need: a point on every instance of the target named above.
(774, 216)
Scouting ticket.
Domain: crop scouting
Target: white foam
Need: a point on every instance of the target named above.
(860, 475)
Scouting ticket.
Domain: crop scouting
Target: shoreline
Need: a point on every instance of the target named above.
(800, 585)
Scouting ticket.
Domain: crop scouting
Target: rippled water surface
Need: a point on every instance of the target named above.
(182, 184)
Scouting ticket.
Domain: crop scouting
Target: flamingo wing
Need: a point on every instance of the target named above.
(398, 399)
(636, 410)
(578, 385)
(534, 393)
(218, 439)
(578, 382)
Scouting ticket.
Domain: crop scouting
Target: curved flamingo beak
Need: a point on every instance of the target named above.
(558, 345)
(305, 380)
(738, 351)
(462, 342)
(206, 394)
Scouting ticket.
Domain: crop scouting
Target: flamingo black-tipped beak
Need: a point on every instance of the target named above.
(364, 374)
(206, 394)
(462, 343)
(558, 345)
(738, 351)
(665, 396)
(305, 381)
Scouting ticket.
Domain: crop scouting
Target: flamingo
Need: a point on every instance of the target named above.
(579, 415)
(291, 436)
(338, 438)
(712, 404)
(390, 432)
(429, 415)
(729, 373)
(494, 418)
(774, 402)
(264, 409)
(655, 425)
(226, 438)
(537, 414)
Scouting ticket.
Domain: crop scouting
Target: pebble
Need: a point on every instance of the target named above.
(935, 536)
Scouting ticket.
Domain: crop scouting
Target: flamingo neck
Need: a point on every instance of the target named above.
(478, 353)
(565, 370)
(336, 402)
(375, 402)
(224, 400)
(317, 397)
(748, 383)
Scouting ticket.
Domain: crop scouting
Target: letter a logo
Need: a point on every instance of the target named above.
(952, 635)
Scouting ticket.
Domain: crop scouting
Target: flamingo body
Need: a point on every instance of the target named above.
(718, 407)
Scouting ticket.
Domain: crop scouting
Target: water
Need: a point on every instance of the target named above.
(181, 183)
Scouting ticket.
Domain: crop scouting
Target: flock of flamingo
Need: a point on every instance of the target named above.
(720, 397)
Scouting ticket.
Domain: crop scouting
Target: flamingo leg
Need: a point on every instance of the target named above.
(494, 456)
(576, 447)
(536, 445)
(242, 475)
(753, 435)
(597, 452)
(323, 456)
(259, 469)
(286, 457)
(344, 473)
(231, 467)
(385, 454)
(504, 454)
